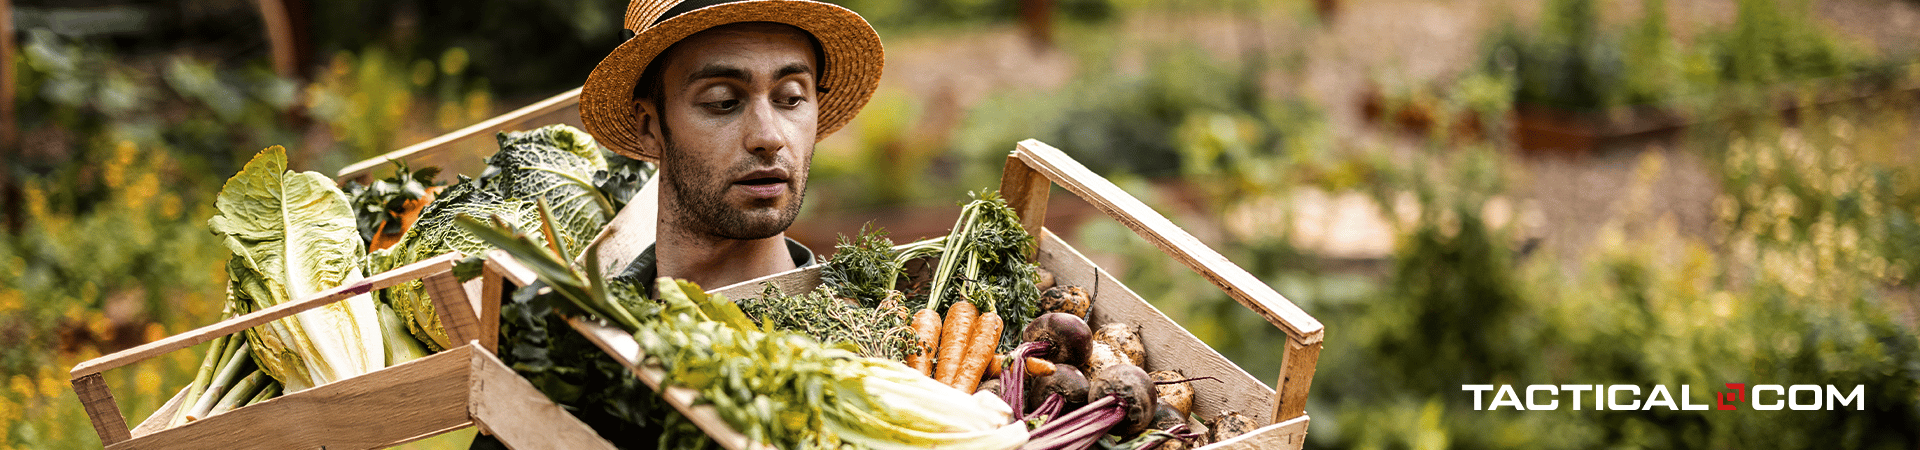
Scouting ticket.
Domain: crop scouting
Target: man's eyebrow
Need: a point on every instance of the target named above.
(792, 69)
(719, 71)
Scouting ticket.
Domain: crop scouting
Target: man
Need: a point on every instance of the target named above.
(729, 98)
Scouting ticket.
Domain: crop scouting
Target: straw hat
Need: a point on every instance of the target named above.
(849, 75)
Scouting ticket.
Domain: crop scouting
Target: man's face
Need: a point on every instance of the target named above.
(740, 115)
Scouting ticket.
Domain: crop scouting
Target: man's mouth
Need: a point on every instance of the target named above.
(766, 183)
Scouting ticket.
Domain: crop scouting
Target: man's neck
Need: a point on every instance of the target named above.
(714, 261)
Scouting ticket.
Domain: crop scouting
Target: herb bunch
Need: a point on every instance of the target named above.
(879, 332)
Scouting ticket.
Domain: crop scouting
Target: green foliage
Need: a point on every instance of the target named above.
(1650, 306)
(1571, 63)
(1115, 122)
(529, 48)
(556, 163)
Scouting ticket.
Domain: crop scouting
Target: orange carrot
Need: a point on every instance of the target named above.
(973, 363)
(926, 330)
(1036, 367)
(953, 340)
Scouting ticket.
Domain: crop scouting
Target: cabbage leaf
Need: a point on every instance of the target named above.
(293, 235)
(557, 163)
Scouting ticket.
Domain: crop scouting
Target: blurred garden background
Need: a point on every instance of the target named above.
(1493, 192)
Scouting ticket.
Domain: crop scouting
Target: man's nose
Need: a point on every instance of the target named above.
(765, 131)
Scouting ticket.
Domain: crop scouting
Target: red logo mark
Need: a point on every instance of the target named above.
(1736, 393)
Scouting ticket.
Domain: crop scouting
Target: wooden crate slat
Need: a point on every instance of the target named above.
(519, 415)
(253, 319)
(1296, 378)
(441, 151)
(1025, 190)
(455, 310)
(355, 413)
(1288, 435)
(1171, 239)
(622, 347)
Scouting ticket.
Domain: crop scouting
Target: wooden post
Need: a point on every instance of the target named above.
(280, 37)
(105, 414)
(1026, 192)
(1296, 378)
(9, 128)
(450, 302)
(511, 409)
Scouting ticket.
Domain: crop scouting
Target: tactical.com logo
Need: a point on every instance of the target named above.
(1616, 397)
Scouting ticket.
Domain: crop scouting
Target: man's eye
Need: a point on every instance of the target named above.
(723, 105)
(793, 101)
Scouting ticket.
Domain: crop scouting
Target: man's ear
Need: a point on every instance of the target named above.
(648, 118)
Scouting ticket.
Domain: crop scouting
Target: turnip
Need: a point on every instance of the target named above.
(1066, 299)
(1124, 338)
(1100, 356)
(1227, 426)
(1043, 279)
(1177, 395)
(1136, 393)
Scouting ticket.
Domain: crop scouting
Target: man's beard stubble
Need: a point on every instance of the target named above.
(700, 199)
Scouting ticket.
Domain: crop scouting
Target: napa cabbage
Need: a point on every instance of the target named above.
(293, 234)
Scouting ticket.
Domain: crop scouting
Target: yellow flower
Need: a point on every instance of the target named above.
(21, 386)
(148, 382)
(10, 300)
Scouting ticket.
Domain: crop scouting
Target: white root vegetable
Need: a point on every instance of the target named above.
(1177, 395)
(1103, 355)
(1124, 338)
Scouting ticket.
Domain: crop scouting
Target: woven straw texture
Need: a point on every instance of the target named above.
(854, 60)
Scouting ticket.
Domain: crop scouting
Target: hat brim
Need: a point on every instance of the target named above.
(854, 60)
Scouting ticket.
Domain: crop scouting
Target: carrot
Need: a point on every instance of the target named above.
(926, 330)
(1036, 367)
(973, 363)
(953, 340)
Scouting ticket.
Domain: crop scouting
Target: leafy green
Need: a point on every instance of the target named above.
(864, 267)
(985, 261)
(377, 207)
(292, 235)
(557, 164)
(776, 387)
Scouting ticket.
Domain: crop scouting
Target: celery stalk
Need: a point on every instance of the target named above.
(217, 354)
(218, 387)
(247, 388)
(271, 390)
(200, 380)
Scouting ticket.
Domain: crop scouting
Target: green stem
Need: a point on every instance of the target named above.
(246, 389)
(950, 256)
(200, 380)
(271, 390)
(914, 251)
(242, 355)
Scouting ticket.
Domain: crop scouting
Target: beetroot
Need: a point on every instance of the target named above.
(1067, 381)
(1070, 337)
(1136, 391)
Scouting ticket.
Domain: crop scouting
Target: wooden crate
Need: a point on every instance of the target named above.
(460, 387)
(465, 150)
(1031, 170)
